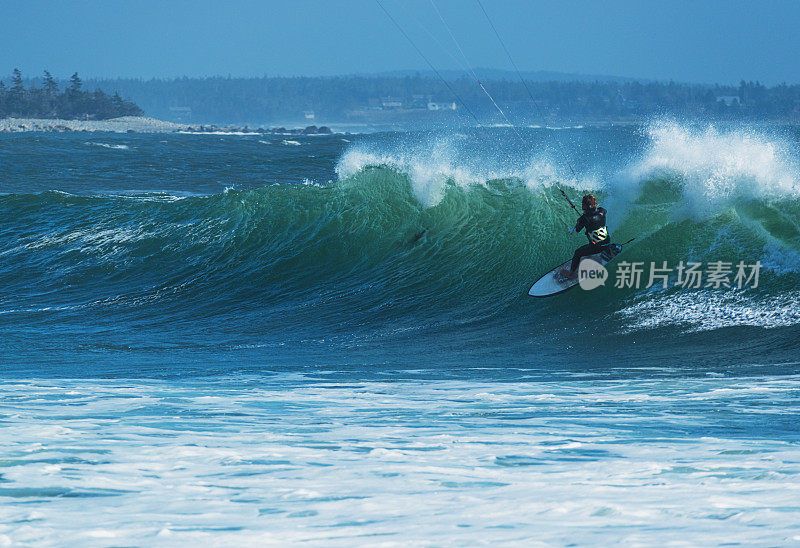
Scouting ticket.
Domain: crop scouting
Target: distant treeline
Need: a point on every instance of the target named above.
(339, 99)
(279, 100)
(47, 101)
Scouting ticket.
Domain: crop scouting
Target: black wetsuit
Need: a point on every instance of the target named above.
(592, 220)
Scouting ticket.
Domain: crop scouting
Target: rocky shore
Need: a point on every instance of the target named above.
(212, 129)
(139, 124)
(127, 124)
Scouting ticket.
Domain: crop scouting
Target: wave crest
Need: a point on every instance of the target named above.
(714, 168)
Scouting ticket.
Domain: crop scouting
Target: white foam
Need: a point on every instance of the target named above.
(716, 167)
(708, 310)
(108, 145)
(219, 132)
(228, 462)
(440, 160)
(713, 167)
(429, 172)
(291, 143)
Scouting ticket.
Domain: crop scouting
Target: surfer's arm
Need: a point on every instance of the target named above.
(578, 225)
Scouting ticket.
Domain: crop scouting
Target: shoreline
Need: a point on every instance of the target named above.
(147, 125)
(142, 124)
(127, 124)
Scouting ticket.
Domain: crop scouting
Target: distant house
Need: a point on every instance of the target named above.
(730, 100)
(433, 105)
(391, 103)
(420, 101)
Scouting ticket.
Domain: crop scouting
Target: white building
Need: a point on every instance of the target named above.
(389, 103)
(433, 105)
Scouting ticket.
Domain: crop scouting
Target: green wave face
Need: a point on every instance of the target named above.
(369, 236)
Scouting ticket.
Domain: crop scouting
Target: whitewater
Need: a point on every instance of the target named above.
(241, 340)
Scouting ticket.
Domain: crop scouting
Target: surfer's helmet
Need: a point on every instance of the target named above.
(589, 202)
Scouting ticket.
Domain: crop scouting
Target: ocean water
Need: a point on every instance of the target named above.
(248, 340)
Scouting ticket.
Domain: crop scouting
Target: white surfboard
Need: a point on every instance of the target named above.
(554, 282)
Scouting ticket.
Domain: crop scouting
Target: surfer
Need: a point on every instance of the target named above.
(594, 221)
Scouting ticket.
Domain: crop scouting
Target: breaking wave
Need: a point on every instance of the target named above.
(421, 238)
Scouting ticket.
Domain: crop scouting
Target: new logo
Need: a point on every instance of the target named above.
(591, 274)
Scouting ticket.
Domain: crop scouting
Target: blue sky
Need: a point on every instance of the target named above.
(700, 41)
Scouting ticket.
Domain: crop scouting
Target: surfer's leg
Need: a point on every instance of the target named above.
(582, 251)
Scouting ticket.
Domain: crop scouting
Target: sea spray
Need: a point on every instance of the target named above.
(715, 168)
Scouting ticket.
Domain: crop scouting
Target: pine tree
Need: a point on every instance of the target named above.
(48, 102)
(75, 83)
(50, 84)
(16, 82)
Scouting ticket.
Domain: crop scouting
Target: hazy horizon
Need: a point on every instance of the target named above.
(705, 43)
(484, 73)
